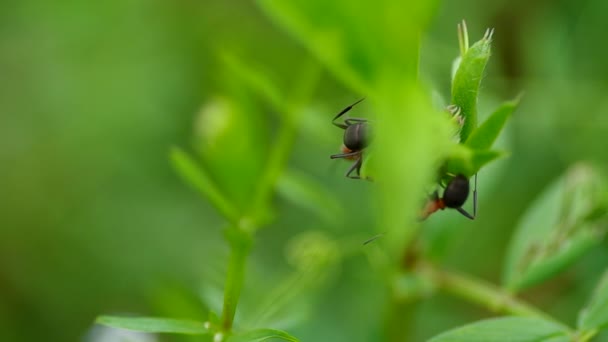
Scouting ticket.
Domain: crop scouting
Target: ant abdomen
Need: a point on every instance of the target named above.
(457, 192)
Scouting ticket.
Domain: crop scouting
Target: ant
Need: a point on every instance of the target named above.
(454, 197)
(356, 139)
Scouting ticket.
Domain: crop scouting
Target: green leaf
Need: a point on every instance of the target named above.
(465, 86)
(260, 335)
(154, 325)
(556, 230)
(201, 181)
(232, 138)
(256, 81)
(305, 192)
(595, 314)
(507, 329)
(466, 161)
(362, 43)
(484, 136)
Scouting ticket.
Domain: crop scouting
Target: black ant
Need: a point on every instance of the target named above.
(356, 139)
(454, 197)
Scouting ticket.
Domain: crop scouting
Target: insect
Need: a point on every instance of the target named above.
(356, 139)
(454, 197)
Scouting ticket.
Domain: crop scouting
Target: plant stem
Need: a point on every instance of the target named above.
(240, 243)
(586, 336)
(400, 319)
(480, 292)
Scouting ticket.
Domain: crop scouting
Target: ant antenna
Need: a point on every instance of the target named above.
(373, 238)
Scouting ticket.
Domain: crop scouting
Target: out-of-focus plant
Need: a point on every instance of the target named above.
(373, 48)
(242, 169)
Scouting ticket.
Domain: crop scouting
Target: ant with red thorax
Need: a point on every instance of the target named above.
(454, 197)
(457, 190)
(356, 139)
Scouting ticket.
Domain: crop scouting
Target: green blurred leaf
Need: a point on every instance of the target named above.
(201, 181)
(595, 314)
(507, 329)
(465, 85)
(373, 48)
(307, 193)
(466, 161)
(232, 138)
(484, 136)
(314, 257)
(361, 43)
(260, 335)
(154, 325)
(555, 231)
(260, 83)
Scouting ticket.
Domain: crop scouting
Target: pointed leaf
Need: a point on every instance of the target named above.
(201, 181)
(484, 136)
(260, 335)
(556, 230)
(466, 161)
(595, 314)
(467, 79)
(154, 325)
(507, 329)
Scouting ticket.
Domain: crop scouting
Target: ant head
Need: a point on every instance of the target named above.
(457, 192)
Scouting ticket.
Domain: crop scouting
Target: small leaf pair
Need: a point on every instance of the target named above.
(188, 327)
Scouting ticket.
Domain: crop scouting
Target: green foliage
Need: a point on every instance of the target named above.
(260, 335)
(467, 79)
(373, 48)
(556, 229)
(201, 181)
(595, 314)
(475, 152)
(88, 109)
(484, 136)
(307, 193)
(507, 329)
(155, 325)
(467, 161)
(341, 35)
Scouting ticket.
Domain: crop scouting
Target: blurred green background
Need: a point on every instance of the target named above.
(94, 220)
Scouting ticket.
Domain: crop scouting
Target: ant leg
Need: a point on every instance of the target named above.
(465, 213)
(343, 126)
(350, 121)
(356, 166)
(345, 155)
(475, 198)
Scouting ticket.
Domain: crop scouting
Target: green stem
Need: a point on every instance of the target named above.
(400, 319)
(286, 138)
(586, 336)
(481, 292)
(240, 244)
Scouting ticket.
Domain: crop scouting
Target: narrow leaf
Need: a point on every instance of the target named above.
(260, 335)
(154, 325)
(201, 181)
(507, 329)
(305, 192)
(556, 230)
(484, 136)
(595, 314)
(257, 81)
(467, 79)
